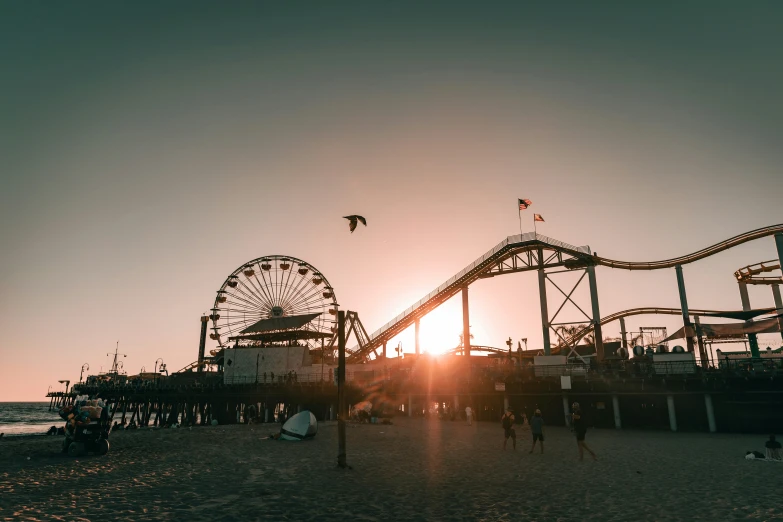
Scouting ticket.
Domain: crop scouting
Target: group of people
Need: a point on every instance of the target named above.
(578, 426)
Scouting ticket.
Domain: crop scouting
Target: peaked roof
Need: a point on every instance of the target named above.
(280, 323)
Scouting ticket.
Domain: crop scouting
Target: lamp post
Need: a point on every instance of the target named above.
(85, 366)
(156, 367)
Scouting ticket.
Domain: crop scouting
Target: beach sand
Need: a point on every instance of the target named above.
(415, 469)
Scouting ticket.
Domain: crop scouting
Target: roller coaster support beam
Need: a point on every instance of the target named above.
(542, 297)
(599, 340)
(705, 362)
(778, 305)
(465, 322)
(752, 339)
(202, 343)
(384, 349)
(776, 288)
(686, 319)
(418, 329)
(622, 333)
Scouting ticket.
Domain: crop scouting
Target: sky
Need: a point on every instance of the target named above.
(147, 151)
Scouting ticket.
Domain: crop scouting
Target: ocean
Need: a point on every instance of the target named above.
(24, 418)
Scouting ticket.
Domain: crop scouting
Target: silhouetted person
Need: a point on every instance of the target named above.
(507, 421)
(773, 448)
(469, 415)
(537, 429)
(580, 429)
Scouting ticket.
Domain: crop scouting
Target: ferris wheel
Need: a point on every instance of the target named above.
(273, 287)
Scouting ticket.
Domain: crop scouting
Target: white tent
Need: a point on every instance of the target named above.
(299, 427)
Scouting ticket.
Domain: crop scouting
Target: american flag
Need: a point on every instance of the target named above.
(538, 217)
(524, 203)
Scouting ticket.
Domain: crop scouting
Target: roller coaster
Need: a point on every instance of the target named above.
(531, 251)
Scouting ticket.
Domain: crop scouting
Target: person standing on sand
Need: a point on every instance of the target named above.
(773, 448)
(469, 415)
(508, 427)
(537, 430)
(580, 429)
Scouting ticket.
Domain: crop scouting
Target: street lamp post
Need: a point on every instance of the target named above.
(156, 367)
(85, 366)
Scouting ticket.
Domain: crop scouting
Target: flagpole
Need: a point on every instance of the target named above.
(519, 211)
(535, 231)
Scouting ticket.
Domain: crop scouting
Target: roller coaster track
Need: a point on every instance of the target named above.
(690, 258)
(525, 252)
(474, 348)
(632, 311)
(750, 274)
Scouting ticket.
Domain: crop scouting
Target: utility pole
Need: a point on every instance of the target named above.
(341, 409)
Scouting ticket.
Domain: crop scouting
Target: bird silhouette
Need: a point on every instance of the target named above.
(353, 220)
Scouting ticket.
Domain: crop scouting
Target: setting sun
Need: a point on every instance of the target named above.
(440, 330)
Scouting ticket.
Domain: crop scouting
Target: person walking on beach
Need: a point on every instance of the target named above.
(508, 427)
(773, 448)
(537, 430)
(580, 429)
(469, 415)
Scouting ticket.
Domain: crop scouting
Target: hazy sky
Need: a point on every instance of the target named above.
(147, 151)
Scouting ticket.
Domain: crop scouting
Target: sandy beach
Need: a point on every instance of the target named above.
(413, 470)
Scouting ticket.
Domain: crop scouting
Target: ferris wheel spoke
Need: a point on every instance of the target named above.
(308, 302)
(255, 313)
(267, 286)
(278, 285)
(313, 294)
(306, 295)
(243, 314)
(255, 287)
(307, 308)
(248, 292)
(252, 291)
(228, 312)
(289, 288)
(261, 288)
(239, 324)
(264, 287)
(294, 288)
(244, 303)
(299, 289)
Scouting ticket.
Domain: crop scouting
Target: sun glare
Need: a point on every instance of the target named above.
(440, 331)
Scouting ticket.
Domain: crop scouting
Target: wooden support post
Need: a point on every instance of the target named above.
(672, 413)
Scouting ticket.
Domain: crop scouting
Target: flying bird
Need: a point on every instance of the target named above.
(353, 221)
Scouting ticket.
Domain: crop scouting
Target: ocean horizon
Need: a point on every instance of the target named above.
(27, 418)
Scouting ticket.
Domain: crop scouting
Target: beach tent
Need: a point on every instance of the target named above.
(299, 427)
